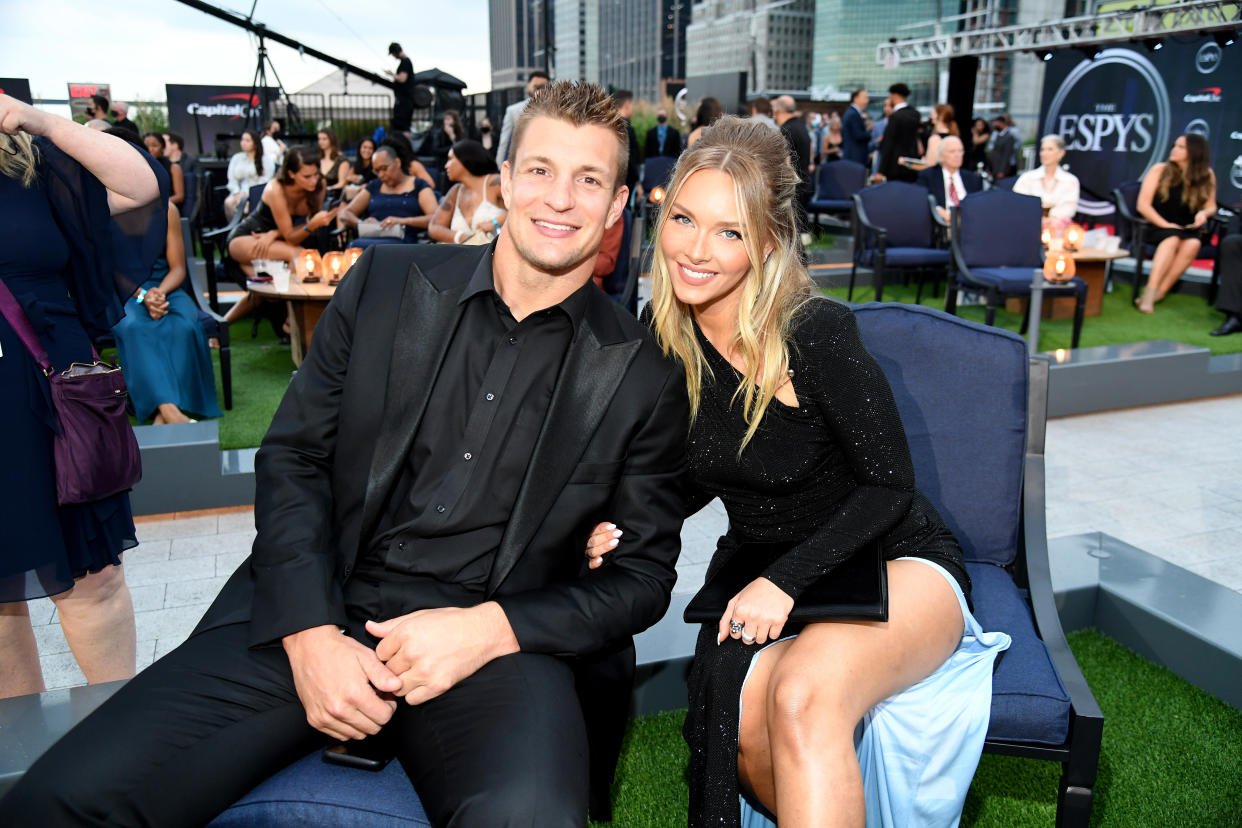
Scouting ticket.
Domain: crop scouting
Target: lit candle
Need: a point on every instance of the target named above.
(310, 265)
(1046, 236)
(1073, 236)
(336, 266)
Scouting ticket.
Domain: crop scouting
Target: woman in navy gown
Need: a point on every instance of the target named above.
(59, 183)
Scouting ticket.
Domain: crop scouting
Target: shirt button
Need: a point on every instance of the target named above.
(401, 545)
(440, 508)
(467, 455)
(491, 397)
(513, 340)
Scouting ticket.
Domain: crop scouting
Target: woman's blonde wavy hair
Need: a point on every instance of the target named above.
(19, 158)
(755, 156)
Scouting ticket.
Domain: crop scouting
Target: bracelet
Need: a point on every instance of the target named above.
(142, 295)
(496, 224)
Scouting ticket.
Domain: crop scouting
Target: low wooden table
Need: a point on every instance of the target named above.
(305, 302)
(1091, 265)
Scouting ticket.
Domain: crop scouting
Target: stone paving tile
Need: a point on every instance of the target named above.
(51, 639)
(41, 611)
(1199, 549)
(225, 543)
(149, 530)
(227, 564)
(241, 521)
(61, 670)
(147, 551)
(163, 572)
(174, 622)
(148, 596)
(145, 654)
(198, 591)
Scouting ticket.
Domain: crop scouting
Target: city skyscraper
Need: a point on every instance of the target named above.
(641, 43)
(577, 40)
(770, 41)
(521, 32)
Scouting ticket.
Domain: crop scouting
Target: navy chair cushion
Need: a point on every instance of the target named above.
(838, 180)
(961, 389)
(1029, 702)
(901, 209)
(1000, 229)
(311, 793)
(915, 257)
(1015, 280)
(829, 204)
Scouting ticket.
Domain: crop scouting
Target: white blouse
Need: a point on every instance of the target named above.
(1062, 198)
(243, 175)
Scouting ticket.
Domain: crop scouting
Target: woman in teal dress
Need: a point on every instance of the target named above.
(163, 352)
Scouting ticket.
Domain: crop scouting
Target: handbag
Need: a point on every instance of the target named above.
(94, 450)
(855, 590)
(373, 230)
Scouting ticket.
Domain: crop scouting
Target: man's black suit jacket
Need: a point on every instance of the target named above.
(612, 447)
(901, 139)
(672, 143)
(933, 179)
(854, 136)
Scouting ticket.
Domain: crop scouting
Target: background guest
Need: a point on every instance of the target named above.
(854, 135)
(663, 138)
(1229, 299)
(1177, 197)
(947, 182)
(273, 231)
(155, 145)
(247, 168)
(393, 199)
(405, 151)
(122, 117)
(274, 149)
(760, 110)
(784, 112)
(97, 108)
(360, 170)
(977, 149)
(332, 165)
(1057, 189)
(488, 137)
(833, 144)
(403, 90)
(901, 136)
(473, 210)
(942, 126)
(1003, 154)
(538, 80)
(163, 353)
(60, 181)
(624, 101)
(708, 113)
(440, 140)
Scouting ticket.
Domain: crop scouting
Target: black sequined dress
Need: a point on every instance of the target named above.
(825, 479)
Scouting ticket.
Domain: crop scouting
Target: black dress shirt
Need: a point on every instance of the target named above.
(451, 503)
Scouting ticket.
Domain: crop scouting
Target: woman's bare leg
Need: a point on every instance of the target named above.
(1185, 255)
(1161, 261)
(97, 616)
(20, 672)
(805, 697)
(170, 413)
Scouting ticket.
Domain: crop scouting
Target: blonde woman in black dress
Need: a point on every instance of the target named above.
(794, 428)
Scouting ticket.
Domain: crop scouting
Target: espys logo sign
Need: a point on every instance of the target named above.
(1135, 121)
(1207, 59)
(231, 110)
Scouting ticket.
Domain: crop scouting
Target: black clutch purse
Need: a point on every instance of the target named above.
(857, 590)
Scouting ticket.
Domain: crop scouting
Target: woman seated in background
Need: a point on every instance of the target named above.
(361, 171)
(794, 427)
(396, 204)
(154, 142)
(1057, 189)
(272, 231)
(163, 354)
(441, 139)
(488, 136)
(473, 210)
(1177, 197)
(334, 166)
(708, 113)
(942, 126)
(405, 151)
(247, 168)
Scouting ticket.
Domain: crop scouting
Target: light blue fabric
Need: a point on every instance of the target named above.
(166, 360)
(919, 749)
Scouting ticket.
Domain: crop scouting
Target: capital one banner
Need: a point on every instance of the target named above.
(1121, 112)
(204, 112)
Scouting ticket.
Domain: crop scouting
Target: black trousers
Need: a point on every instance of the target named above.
(1229, 299)
(194, 732)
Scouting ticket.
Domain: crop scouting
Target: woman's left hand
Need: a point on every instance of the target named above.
(762, 608)
(390, 222)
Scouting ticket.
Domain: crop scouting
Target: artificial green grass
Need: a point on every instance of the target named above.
(1171, 757)
(261, 371)
(1180, 318)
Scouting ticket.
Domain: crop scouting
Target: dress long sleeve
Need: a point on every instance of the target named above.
(853, 397)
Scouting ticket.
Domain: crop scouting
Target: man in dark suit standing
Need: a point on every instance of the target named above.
(947, 182)
(464, 417)
(662, 139)
(1002, 156)
(624, 100)
(798, 139)
(854, 134)
(901, 136)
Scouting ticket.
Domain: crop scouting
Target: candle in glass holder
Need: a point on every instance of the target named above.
(1073, 236)
(1045, 237)
(354, 254)
(308, 264)
(334, 263)
(1058, 267)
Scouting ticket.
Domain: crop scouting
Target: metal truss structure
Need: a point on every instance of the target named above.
(1143, 23)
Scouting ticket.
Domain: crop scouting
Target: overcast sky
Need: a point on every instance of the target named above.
(139, 45)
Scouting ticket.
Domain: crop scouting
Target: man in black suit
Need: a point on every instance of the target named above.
(854, 134)
(801, 153)
(947, 182)
(624, 100)
(901, 136)
(662, 139)
(1002, 156)
(464, 417)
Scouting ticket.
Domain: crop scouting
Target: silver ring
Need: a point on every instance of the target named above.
(736, 627)
(747, 638)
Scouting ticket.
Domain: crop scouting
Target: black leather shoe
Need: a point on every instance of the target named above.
(1232, 325)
